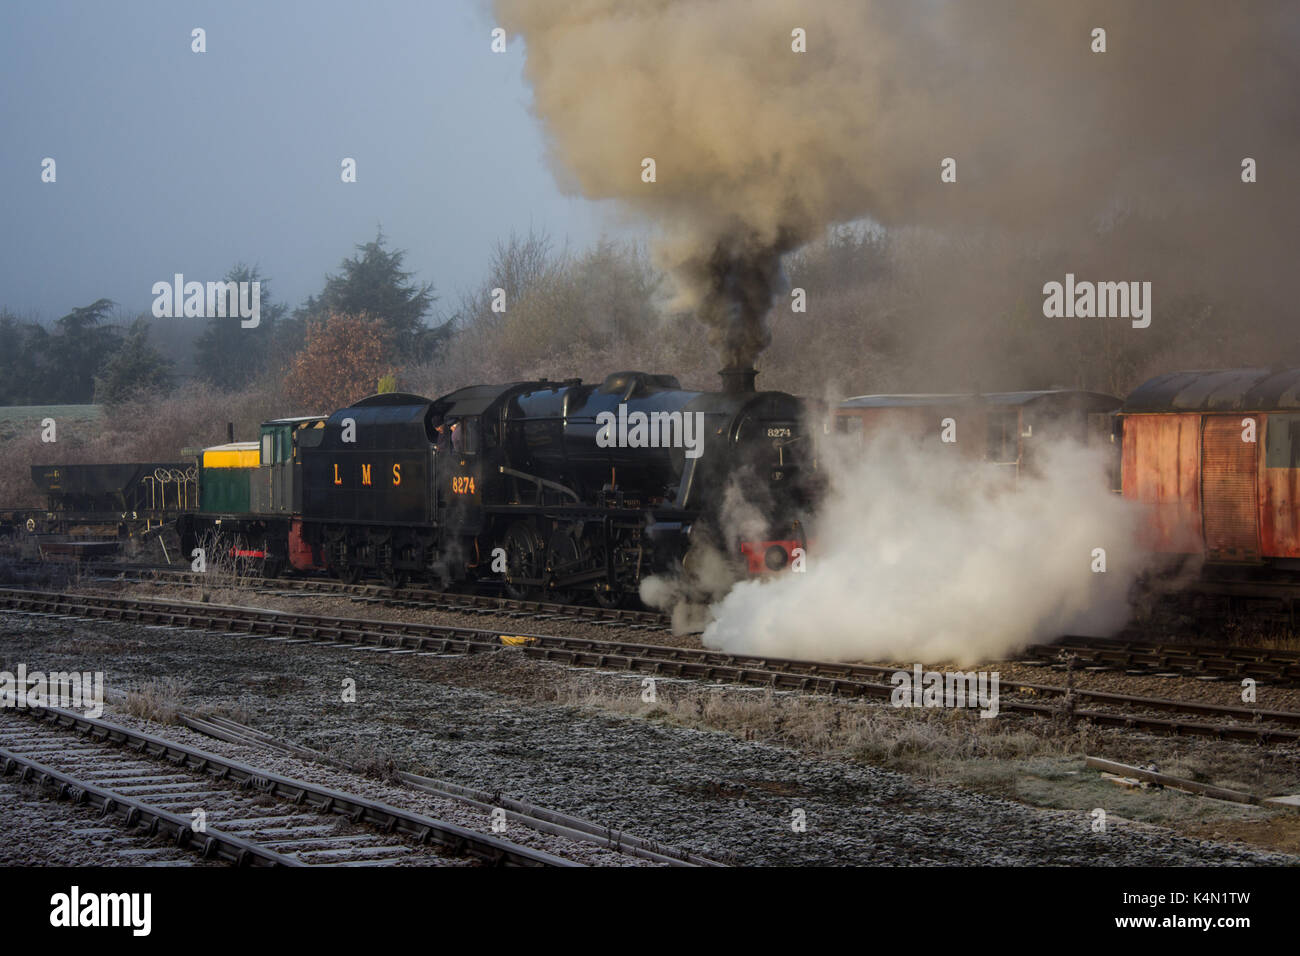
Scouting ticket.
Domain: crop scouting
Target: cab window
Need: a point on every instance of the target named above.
(470, 436)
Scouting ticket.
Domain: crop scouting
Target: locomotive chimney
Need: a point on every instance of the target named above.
(736, 380)
(230, 432)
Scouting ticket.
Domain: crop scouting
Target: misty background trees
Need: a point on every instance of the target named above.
(373, 283)
(134, 368)
(56, 364)
(896, 311)
(228, 355)
(904, 310)
(97, 353)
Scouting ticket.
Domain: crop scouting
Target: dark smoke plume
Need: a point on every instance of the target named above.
(758, 148)
(737, 283)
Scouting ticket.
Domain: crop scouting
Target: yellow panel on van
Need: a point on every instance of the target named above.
(240, 454)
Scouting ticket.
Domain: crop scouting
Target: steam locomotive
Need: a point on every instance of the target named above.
(561, 490)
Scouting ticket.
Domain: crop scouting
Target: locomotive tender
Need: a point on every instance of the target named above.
(525, 483)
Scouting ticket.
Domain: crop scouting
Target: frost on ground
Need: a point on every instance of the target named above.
(706, 791)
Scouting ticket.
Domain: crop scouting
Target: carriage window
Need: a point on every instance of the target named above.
(1282, 442)
(266, 449)
(848, 424)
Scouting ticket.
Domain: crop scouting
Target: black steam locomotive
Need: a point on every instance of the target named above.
(560, 490)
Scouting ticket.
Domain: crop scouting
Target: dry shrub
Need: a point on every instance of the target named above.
(226, 578)
(342, 361)
(157, 427)
(913, 740)
(373, 763)
(17, 455)
(160, 699)
(148, 428)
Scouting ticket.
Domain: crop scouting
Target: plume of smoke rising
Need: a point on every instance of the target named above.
(920, 555)
(758, 147)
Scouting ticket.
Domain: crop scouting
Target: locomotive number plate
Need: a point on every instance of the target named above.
(462, 485)
(780, 433)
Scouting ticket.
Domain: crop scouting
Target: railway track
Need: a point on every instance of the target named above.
(1207, 661)
(1254, 597)
(515, 811)
(417, 597)
(820, 677)
(1133, 657)
(250, 817)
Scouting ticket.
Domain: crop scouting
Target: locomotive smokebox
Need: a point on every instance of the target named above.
(737, 380)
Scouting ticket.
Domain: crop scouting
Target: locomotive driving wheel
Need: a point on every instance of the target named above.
(606, 593)
(563, 559)
(393, 578)
(525, 561)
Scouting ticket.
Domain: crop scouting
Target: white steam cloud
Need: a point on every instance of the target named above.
(922, 555)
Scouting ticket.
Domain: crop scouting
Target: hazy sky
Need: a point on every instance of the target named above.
(174, 161)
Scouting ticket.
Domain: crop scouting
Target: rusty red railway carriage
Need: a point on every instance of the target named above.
(1215, 455)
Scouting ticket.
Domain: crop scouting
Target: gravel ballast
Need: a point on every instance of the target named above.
(706, 791)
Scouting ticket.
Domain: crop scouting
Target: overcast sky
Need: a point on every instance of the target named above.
(174, 161)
